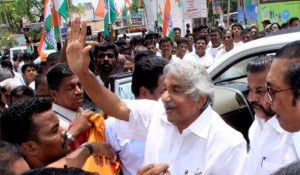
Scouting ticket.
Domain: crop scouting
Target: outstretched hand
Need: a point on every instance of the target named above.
(154, 169)
(77, 52)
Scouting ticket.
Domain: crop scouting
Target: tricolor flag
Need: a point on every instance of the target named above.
(167, 29)
(179, 2)
(48, 39)
(61, 7)
(102, 11)
(159, 15)
(128, 3)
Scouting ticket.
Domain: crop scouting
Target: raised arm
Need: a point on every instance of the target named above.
(78, 60)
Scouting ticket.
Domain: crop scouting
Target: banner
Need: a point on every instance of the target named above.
(194, 9)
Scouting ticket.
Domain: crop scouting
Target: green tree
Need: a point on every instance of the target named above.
(16, 10)
(8, 40)
(233, 8)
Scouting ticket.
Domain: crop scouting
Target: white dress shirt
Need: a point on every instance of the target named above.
(213, 51)
(238, 43)
(129, 151)
(270, 147)
(64, 115)
(175, 58)
(206, 60)
(208, 145)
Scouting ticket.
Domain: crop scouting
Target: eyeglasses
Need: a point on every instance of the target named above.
(271, 92)
(109, 55)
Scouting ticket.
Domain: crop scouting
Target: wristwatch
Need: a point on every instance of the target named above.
(69, 136)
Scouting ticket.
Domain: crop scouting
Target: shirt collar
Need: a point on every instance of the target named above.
(200, 126)
(272, 122)
(64, 111)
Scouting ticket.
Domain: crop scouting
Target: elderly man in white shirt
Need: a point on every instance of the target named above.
(181, 128)
(200, 56)
(270, 146)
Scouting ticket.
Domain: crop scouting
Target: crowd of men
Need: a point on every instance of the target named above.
(49, 106)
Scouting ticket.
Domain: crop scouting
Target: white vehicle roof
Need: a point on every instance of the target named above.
(260, 45)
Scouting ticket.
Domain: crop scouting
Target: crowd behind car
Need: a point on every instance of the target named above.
(57, 114)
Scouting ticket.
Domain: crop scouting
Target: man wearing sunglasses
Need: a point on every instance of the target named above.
(283, 86)
(265, 131)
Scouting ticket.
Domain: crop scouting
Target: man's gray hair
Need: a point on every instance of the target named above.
(194, 77)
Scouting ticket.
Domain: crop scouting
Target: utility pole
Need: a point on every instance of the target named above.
(228, 14)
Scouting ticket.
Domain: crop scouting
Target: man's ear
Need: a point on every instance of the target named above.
(53, 94)
(202, 100)
(30, 148)
(144, 92)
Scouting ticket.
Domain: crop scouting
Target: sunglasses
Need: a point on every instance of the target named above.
(103, 55)
(271, 92)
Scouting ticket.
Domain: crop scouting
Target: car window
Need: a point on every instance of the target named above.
(237, 70)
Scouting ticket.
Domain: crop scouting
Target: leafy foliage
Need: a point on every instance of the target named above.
(8, 40)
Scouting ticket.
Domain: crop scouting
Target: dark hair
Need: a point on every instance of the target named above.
(124, 47)
(189, 34)
(149, 42)
(236, 25)
(225, 31)
(120, 43)
(292, 77)
(150, 34)
(258, 35)
(292, 19)
(201, 37)
(279, 26)
(176, 28)
(16, 121)
(7, 64)
(137, 39)
(260, 64)
(41, 79)
(182, 40)
(9, 153)
(20, 92)
(292, 74)
(53, 56)
(56, 74)
(164, 40)
(214, 29)
(58, 171)
(289, 51)
(291, 169)
(146, 73)
(28, 56)
(29, 64)
(105, 46)
(141, 55)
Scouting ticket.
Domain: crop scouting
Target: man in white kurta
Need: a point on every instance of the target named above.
(270, 146)
(181, 128)
(208, 145)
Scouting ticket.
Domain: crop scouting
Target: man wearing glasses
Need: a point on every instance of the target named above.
(283, 86)
(283, 89)
(265, 131)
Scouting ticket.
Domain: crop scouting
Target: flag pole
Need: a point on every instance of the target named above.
(108, 9)
(59, 23)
